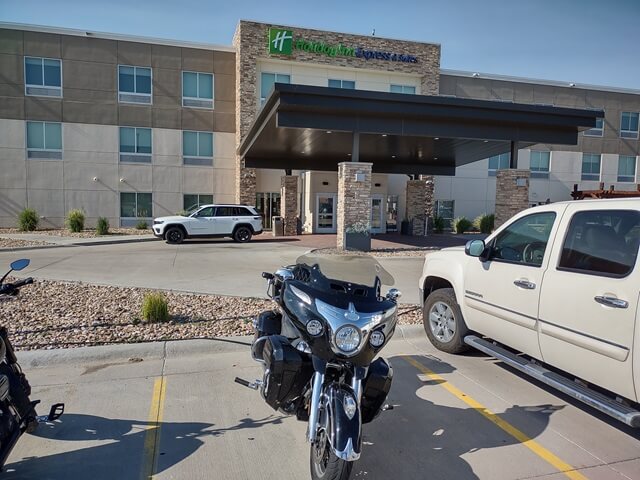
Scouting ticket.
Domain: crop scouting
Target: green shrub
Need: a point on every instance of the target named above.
(439, 224)
(28, 220)
(142, 225)
(461, 224)
(102, 227)
(75, 220)
(484, 223)
(155, 308)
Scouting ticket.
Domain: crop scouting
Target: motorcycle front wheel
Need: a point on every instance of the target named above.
(324, 464)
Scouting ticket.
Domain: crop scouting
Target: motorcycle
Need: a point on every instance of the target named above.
(317, 350)
(17, 412)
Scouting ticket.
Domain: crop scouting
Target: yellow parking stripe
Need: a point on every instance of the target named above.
(152, 435)
(532, 445)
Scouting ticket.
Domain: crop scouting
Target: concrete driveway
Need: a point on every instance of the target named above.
(218, 266)
(172, 411)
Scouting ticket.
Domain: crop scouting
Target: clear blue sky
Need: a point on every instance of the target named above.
(582, 41)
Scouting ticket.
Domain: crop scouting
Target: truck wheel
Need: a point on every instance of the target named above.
(242, 234)
(174, 235)
(443, 321)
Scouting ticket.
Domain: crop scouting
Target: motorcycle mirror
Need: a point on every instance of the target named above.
(393, 294)
(20, 264)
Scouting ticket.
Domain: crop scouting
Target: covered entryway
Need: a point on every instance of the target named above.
(377, 213)
(325, 212)
(359, 133)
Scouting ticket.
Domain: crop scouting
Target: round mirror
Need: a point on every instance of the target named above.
(20, 264)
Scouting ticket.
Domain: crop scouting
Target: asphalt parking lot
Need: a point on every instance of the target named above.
(218, 266)
(172, 411)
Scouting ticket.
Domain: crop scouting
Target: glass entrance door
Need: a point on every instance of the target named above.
(268, 205)
(377, 214)
(325, 213)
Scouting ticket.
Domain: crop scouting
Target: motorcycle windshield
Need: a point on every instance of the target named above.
(360, 269)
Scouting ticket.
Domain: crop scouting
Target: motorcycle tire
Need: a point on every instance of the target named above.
(324, 464)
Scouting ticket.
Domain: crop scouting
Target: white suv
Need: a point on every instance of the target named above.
(239, 222)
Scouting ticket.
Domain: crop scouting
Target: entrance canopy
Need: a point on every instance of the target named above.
(303, 127)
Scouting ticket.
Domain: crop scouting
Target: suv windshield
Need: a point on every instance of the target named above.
(359, 269)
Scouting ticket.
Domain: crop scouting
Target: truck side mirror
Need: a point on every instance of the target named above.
(474, 248)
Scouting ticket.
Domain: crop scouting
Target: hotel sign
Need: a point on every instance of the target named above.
(283, 42)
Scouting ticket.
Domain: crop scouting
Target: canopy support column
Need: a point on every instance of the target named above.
(354, 206)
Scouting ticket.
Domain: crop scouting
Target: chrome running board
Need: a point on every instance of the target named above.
(597, 400)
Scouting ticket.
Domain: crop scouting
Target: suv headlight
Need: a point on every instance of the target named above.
(158, 222)
(348, 339)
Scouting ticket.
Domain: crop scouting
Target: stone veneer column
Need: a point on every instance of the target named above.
(289, 203)
(354, 197)
(420, 203)
(512, 193)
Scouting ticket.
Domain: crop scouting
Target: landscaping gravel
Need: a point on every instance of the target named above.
(51, 314)
(88, 233)
(14, 243)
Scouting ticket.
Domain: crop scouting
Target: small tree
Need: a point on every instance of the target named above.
(461, 224)
(75, 220)
(155, 308)
(438, 224)
(28, 220)
(102, 227)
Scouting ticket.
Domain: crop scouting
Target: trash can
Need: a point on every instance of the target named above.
(278, 226)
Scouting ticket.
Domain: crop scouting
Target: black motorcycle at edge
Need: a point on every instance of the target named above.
(318, 348)
(17, 411)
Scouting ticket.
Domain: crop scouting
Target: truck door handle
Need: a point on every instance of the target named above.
(611, 302)
(527, 285)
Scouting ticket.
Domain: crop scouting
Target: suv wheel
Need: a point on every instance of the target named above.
(443, 321)
(242, 234)
(174, 235)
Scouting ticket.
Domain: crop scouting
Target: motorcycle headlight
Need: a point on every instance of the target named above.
(348, 339)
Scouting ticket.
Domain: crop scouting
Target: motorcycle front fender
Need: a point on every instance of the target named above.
(344, 433)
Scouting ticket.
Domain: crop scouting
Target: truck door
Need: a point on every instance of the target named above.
(502, 294)
(589, 298)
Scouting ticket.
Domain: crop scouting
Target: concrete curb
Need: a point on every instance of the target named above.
(170, 349)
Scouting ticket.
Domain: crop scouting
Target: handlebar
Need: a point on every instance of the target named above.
(10, 288)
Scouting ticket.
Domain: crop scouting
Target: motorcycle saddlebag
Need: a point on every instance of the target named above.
(268, 323)
(287, 372)
(376, 388)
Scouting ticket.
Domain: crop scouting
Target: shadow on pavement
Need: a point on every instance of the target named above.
(121, 453)
(419, 435)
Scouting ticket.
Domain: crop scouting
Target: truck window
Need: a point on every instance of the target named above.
(602, 242)
(525, 240)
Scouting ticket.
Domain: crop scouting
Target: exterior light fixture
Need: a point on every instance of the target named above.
(435, 158)
(95, 179)
(122, 180)
(329, 131)
(393, 156)
(572, 84)
(437, 138)
(384, 134)
(475, 75)
(486, 141)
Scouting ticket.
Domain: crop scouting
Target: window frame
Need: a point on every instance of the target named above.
(635, 169)
(634, 132)
(403, 87)
(540, 173)
(582, 173)
(591, 272)
(199, 99)
(135, 85)
(262, 100)
(199, 204)
(142, 156)
(136, 196)
(492, 172)
(44, 141)
(43, 86)
(213, 152)
(593, 132)
(341, 80)
(547, 250)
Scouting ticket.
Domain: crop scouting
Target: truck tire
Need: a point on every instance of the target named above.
(443, 321)
(174, 235)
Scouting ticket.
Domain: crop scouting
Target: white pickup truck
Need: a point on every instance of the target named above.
(559, 283)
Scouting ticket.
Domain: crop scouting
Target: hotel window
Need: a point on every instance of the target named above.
(135, 144)
(403, 89)
(134, 84)
(197, 148)
(629, 125)
(596, 131)
(348, 84)
(590, 166)
(499, 162)
(136, 205)
(191, 201)
(44, 140)
(42, 76)
(626, 168)
(197, 89)
(539, 164)
(268, 80)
